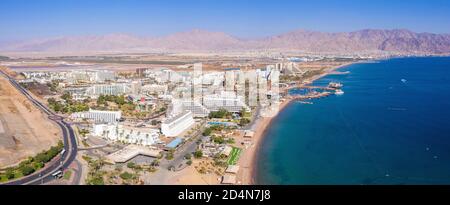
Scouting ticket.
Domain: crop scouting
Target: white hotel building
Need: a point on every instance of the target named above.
(197, 109)
(129, 135)
(98, 116)
(226, 100)
(177, 124)
(99, 76)
(211, 103)
(109, 89)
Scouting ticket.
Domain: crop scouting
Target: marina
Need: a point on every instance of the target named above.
(308, 92)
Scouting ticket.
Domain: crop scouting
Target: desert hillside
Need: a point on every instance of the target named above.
(24, 130)
(397, 41)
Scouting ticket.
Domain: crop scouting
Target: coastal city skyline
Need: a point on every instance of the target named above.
(243, 19)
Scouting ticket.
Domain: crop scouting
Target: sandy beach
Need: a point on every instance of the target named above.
(249, 157)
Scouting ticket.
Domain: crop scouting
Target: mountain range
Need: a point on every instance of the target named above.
(363, 41)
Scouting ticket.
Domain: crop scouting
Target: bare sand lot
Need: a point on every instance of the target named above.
(190, 176)
(24, 130)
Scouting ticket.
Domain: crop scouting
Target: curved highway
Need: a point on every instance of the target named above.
(44, 175)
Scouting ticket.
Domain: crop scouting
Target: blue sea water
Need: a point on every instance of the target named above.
(392, 126)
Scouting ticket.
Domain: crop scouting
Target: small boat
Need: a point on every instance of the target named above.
(404, 80)
(339, 92)
(335, 85)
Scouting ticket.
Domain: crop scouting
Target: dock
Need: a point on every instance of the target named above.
(311, 96)
(326, 91)
(316, 87)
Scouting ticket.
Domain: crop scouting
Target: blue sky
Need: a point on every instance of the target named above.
(26, 19)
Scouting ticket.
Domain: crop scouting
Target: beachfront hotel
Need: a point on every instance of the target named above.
(177, 124)
(225, 100)
(98, 116)
(197, 109)
(125, 134)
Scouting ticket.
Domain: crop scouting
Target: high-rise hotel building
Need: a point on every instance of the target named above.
(175, 125)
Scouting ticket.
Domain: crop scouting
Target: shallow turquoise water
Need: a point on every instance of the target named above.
(381, 131)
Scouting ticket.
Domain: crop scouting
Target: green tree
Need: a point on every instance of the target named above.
(96, 180)
(218, 140)
(126, 176)
(207, 132)
(131, 165)
(243, 121)
(101, 100)
(222, 113)
(67, 97)
(26, 170)
(37, 165)
(42, 157)
(57, 107)
(51, 101)
(120, 100)
(155, 163)
(198, 154)
(169, 155)
(10, 174)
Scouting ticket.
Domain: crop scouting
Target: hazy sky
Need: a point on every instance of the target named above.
(24, 19)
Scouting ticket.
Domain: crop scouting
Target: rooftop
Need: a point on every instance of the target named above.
(229, 179)
(227, 150)
(174, 143)
(249, 134)
(233, 169)
(131, 151)
(176, 117)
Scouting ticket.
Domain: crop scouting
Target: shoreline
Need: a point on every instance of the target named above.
(251, 155)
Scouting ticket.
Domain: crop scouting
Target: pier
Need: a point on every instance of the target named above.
(325, 91)
(316, 87)
(310, 96)
(339, 72)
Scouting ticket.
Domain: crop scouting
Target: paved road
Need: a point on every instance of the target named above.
(255, 117)
(44, 175)
(77, 173)
(163, 174)
(187, 148)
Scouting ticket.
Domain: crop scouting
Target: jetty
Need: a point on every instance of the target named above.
(331, 88)
(339, 73)
(309, 96)
(311, 87)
